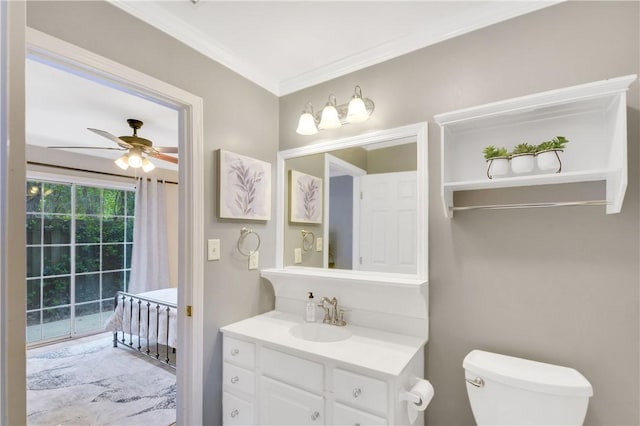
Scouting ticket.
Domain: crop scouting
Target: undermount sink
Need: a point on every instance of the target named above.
(317, 332)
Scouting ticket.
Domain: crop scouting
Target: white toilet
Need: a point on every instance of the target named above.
(504, 390)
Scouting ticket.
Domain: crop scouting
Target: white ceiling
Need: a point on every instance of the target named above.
(282, 46)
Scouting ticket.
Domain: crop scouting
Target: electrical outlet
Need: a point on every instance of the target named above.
(319, 244)
(213, 249)
(254, 260)
(297, 255)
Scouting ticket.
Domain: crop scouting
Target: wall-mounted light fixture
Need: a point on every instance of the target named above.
(332, 116)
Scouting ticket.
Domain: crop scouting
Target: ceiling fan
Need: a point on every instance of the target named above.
(136, 146)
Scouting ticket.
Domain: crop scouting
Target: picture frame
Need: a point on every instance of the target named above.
(305, 198)
(244, 187)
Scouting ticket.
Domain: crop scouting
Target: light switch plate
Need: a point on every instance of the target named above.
(319, 244)
(297, 255)
(254, 260)
(213, 249)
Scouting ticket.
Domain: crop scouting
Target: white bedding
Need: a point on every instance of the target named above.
(123, 320)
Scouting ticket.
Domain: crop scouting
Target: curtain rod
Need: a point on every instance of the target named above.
(35, 163)
(533, 205)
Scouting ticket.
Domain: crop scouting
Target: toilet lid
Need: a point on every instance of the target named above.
(526, 374)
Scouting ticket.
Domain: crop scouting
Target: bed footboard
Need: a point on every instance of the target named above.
(148, 326)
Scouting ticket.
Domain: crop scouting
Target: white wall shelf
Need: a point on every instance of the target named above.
(591, 116)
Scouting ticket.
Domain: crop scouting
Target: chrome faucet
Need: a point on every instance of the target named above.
(332, 315)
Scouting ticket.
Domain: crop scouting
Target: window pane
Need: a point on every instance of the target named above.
(87, 229)
(87, 317)
(33, 327)
(34, 224)
(57, 260)
(88, 258)
(57, 198)
(113, 202)
(57, 229)
(128, 258)
(56, 291)
(34, 196)
(112, 282)
(33, 294)
(113, 230)
(112, 257)
(56, 322)
(88, 200)
(129, 230)
(87, 287)
(33, 261)
(131, 203)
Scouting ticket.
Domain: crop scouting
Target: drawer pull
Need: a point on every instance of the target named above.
(235, 352)
(234, 380)
(314, 416)
(234, 413)
(356, 392)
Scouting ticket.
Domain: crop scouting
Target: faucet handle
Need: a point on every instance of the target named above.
(340, 320)
(327, 315)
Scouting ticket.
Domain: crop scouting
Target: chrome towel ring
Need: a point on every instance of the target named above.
(244, 233)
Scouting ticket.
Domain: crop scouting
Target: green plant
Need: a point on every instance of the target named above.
(556, 143)
(524, 148)
(493, 152)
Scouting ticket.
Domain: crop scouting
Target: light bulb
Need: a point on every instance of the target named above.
(135, 159)
(330, 118)
(357, 112)
(123, 162)
(307, 124)
(147, 165)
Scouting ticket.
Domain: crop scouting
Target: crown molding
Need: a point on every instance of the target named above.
(159, 18)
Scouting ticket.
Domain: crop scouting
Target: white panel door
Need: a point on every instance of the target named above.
(281, 404)
(388, 222)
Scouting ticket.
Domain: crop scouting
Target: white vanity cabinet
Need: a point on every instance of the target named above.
(354, 382)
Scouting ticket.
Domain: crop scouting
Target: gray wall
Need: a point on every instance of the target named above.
(556, 285)
(231, 291)
(399, 158)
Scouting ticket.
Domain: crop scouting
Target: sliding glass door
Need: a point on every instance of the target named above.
(79, 241)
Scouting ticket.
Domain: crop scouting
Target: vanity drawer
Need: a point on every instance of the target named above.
(360, 391)
(343, 415)
(238, 378)
(236, 411)
(293, 370)
(239, 352)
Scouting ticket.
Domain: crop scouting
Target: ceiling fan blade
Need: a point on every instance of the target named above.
(164, 157)
(111, 137)
(87, 147)
(167, 149)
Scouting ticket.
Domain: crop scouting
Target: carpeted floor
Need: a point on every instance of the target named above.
(88, 382)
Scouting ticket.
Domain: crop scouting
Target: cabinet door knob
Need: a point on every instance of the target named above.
(356, 392)
(234, 380)
(235, 413)
(314, 416)
(235, 351)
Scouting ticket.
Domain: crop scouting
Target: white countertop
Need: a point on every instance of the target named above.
(380, 351)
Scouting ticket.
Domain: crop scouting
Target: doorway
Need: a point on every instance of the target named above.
(190, 272)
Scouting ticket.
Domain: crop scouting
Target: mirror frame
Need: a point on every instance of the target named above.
(419, 131)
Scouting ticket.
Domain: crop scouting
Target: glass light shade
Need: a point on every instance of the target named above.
(147, 165)
(357, 112)
(330, 119)
(123, 162)
(307, 125)
(135, 159)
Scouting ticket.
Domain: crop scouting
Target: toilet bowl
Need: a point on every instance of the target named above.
(505, 390)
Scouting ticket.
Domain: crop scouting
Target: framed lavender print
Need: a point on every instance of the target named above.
(305, 198)
(244, 187)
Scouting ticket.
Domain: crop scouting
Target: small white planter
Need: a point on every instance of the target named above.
(498, 166)
(522, 163)
(549, 160)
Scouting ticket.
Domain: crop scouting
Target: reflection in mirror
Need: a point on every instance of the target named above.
(370, 219)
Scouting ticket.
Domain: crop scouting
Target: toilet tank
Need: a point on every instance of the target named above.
(505, 390)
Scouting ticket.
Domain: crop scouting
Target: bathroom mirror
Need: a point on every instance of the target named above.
(373, 201)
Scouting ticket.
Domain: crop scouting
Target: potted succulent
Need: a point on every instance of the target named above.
(497, 161)
(523, 158)
(548, 154)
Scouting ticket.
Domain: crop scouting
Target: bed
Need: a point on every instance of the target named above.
(146, 322)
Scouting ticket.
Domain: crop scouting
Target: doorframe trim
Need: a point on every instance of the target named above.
(64, 55)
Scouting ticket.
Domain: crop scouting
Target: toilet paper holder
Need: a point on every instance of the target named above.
(409, 396)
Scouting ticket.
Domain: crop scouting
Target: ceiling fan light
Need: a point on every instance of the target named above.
(147, 165)
(135, 158)
(123, 162)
